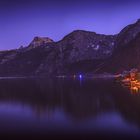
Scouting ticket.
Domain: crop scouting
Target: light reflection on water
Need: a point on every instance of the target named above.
(42, 106)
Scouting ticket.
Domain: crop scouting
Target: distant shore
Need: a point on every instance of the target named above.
(100, 76)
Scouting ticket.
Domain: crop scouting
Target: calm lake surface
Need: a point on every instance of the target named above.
(67, 107)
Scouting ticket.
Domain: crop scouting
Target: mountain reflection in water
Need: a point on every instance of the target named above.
(41, 106)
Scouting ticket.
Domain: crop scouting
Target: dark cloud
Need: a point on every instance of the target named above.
(4, 3)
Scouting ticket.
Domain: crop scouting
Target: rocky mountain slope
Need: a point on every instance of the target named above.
(78, 52)
(127, 53)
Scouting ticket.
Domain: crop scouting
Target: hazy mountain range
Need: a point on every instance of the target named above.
(78, 52)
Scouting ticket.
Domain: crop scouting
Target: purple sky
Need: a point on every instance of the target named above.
(21, 20)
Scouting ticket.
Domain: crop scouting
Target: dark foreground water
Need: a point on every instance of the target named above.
(68, 107)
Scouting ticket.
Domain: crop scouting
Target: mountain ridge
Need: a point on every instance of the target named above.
(78, 52)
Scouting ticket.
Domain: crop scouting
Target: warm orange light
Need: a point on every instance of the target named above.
(134, 88)
(132, 83)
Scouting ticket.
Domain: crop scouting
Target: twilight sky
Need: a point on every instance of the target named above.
(21, 20)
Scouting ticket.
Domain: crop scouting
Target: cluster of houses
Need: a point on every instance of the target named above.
(131, 79)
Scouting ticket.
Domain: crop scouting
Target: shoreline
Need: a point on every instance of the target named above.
(64, 76)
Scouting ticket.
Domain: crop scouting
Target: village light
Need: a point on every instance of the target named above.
(80, 76)
(132, 81)
(74, 76)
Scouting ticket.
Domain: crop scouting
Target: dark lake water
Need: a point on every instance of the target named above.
(45, 107)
